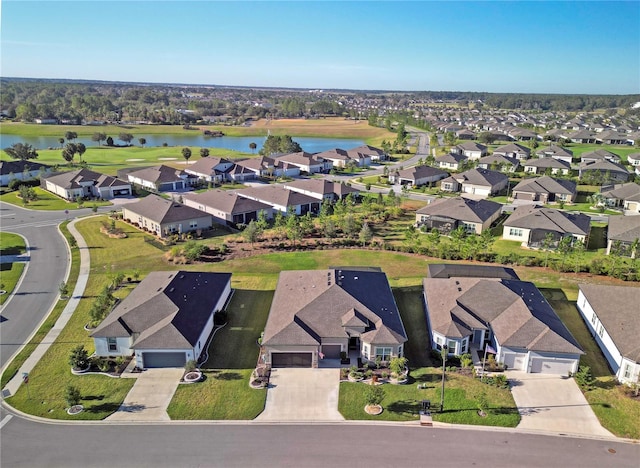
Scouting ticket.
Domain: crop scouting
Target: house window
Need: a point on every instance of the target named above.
(593, 318)
(112, 344)
(400, 351)
(193, 224)
(383, 353)
(469, 228)
(515, 232)
(451, 345)
(365, 351)
(627, 371)
(601, 331)
(464, 346)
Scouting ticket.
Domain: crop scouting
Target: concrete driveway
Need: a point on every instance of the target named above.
(149, 397)
(302, 395)
(553, 403)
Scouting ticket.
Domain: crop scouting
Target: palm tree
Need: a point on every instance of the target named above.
(186, 154)
(80, 149)
(21, 151)
(61, 141)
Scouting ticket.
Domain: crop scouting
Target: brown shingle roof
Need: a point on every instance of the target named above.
(227, 202)
(163, 211)
(533, 217)
(462, 209)
(624, 228)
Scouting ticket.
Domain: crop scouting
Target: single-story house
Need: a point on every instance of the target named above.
(482, 182)
(613, 318)
(582, 136)
(447, 214)
(609, 171)
(317, 314)
(623, 195)
(165, 217)
(450, 161)
(611, 137)
(21, 170)
(263, 166)
(634, 159)
(160, 178)
(522, 134)
(375, 154)
(622, 233)
(166, 320)
(555, 152)
(322, 189)
(599, 155)
(511, 316)
(531, 224)
(85, 183)
(545, 189)
(417, 175)
(282, 199)
(305, 162)
(547, 165)
(499, 162)
(513, 150)
(210, 169)
(470, 149)
(465, 134)
(227, 208)
(342, 158)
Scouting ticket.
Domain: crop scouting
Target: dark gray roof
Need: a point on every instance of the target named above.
(546, 184)
(206, 165)
(548, 219)
(419, 172)
(322, 187)
(617, 309)
(553, 150)
(450, 270)
(451, 158)
(598, 155)
(18, 166)
(624, 228)
(512, 148)
(603, 166)
(628, 191)
(462, 209)
(309, 306)
(159, 174)
(164, 211)
(499, 159)
(517, 312)
(548, 162)
(471, 146)
(479, 176)
(226, 201)
(168, 309)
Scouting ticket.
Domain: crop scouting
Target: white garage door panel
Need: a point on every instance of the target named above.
(551, 366)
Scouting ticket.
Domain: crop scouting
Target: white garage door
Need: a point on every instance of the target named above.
(514, 361)
(551, 366)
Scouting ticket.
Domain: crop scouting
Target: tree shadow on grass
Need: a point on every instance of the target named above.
(104, 408)
(226, 375)
(404, 407)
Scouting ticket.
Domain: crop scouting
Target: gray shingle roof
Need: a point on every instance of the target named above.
(73, 179)
(462, 209)
(419, 172)
(482, 177)
(516, 311)
(166, 310)
(163, 211)
(548, 163)
(629, 191)
(512, 148)
(533, 217)
(617, 309)
(309, 306)
(226, 201)
(322, 187)
(624, 228)
(450, 270)
(546, 184)
(17, 167)
(277, 195)
(159, 174)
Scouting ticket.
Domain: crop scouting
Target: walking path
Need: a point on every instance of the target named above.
(41, 349)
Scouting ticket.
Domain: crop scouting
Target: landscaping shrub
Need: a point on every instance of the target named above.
(79, 357)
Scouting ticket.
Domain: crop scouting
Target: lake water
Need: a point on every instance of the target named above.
(310, 145)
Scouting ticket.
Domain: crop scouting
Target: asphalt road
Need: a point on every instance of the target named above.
(31, 444)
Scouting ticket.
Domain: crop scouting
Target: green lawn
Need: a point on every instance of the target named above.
(616, 411)
(11, 244)
(233, 354)
(403, 402)
(10, 274)
(49, 202)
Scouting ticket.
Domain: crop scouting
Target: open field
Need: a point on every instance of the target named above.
(336, 127)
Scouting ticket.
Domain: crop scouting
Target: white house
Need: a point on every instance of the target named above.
(85, 183)
(166, 320)
(21, 170)
(612, 315)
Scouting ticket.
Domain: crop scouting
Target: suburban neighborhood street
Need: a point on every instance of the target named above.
(31, 444)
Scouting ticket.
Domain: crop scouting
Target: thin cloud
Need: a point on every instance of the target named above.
(34, 44)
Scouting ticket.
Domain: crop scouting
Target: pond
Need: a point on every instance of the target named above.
(310, 145)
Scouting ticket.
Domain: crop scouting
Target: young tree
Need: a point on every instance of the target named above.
(186, 154)
(61, 141)
(21, 151)
(251, 232)
(374, 394)
(72, 396)
(365, 235)
(204, 152)
(79, 357)
(126, 137)
(99, 137)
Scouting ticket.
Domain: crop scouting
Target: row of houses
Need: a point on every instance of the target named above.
(320, 315)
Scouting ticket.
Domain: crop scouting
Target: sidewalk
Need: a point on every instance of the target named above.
(83, 276)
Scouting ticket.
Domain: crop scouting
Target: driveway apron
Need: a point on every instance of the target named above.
(553, 403)
(302, 395)
(150, 396)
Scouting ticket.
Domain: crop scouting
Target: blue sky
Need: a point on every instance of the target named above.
(541, 47)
